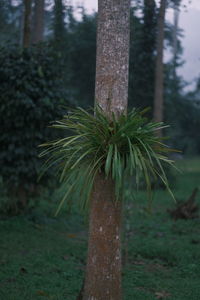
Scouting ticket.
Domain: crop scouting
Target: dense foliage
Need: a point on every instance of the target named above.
(34, 81)
(142, 57)
(123, 147)
(30, 94)
(82, 58)
(182, 112)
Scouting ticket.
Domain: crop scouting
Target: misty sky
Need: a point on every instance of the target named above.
(189, 21)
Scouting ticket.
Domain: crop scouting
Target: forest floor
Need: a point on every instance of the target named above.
(43, 257)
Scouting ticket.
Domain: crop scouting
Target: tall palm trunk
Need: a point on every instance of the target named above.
(38, 21)
(103, 271)
(158, 100)
(27, 24)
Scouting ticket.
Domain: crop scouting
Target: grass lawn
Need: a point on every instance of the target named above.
(44, 257)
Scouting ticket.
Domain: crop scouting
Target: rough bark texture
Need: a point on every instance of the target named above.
(158, 100)
(103, 280)
(38, 22)
(27, 23)
(103, 270)
(112, 55)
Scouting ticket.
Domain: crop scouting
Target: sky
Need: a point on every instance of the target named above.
(189, 21)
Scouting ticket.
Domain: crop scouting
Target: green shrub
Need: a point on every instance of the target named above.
(31, 94)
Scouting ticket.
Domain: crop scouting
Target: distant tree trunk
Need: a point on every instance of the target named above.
(103, 271)
(149, 34)
(175, 37)
(38, 21)
(158, 100)
(148, 46)
(27, 23)
(59, 23)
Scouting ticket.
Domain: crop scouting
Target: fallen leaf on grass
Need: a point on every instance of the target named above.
(162, 295)
(71, 235)
(44, 294)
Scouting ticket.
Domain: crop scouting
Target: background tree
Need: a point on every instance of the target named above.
(59, 29)
(82, 53)
(31, 95)
(38, 21)
(10, 21)
(175, 34)
(78, 51)
(142, 47)
(27, 23)
(158, 100)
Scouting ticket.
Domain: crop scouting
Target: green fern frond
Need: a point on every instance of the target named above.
(127, 146)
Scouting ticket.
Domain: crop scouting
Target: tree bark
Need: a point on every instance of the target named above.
(27, 23)
(103, 270)
(111, 92)
(103, 276)
(158, 100)
(38, 21)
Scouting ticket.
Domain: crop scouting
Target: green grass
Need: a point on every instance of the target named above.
(44, 257)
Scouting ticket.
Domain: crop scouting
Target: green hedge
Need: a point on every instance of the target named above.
(31, 95)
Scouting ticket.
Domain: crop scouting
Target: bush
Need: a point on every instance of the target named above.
(31, 94)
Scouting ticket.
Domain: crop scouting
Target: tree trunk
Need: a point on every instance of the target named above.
(148, 43)
(27, 23)
(103, 280)
(112, 63)
(158, 100)
(38, 21)
(59, 24)
(103, 270)
(175, 37)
